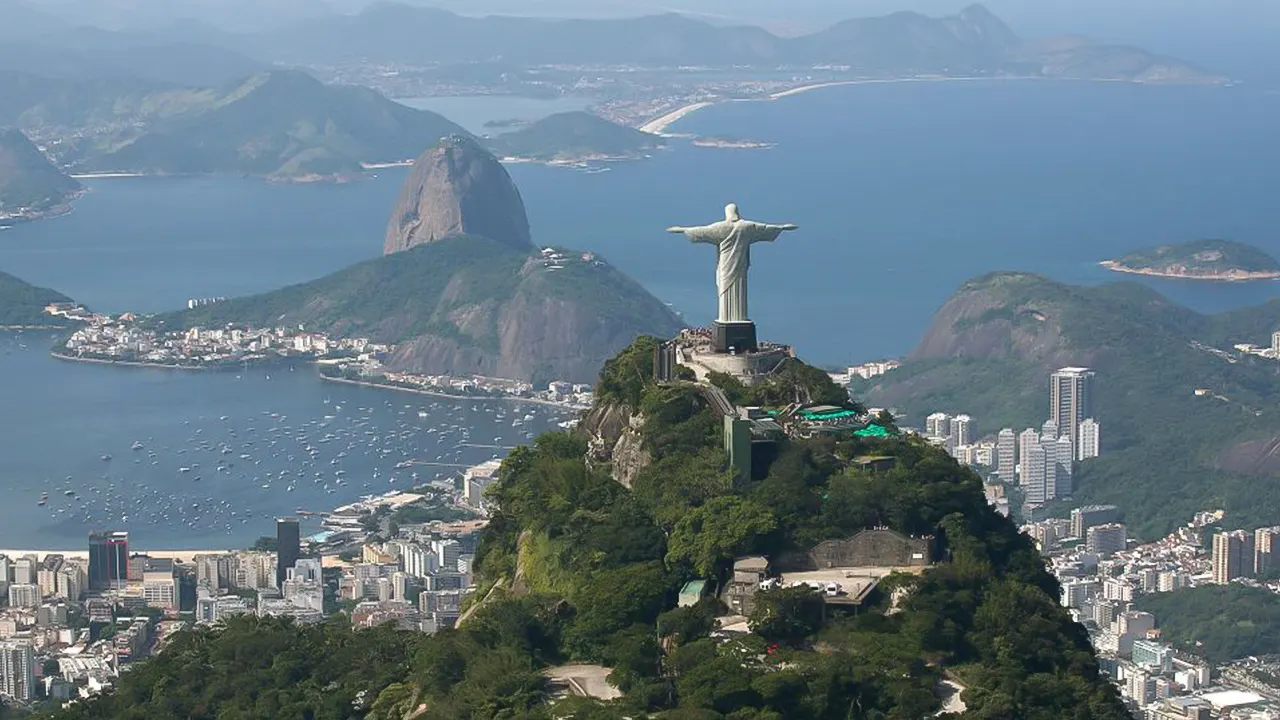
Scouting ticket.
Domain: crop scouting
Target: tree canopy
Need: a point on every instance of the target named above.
(575, 567)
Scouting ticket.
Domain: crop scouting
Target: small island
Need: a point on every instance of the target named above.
(1220, 260)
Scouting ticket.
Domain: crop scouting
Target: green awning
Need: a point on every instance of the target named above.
(874, 430)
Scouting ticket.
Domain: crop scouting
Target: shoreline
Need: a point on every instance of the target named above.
(322, 376)
(440, 394)
(659, 125)
(1229, 276)
(84, 554)
(126, 363)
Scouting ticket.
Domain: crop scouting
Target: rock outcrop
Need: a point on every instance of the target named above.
(457, 188)
(616, 440)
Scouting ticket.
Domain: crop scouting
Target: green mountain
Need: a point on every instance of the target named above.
(575, 567)
(572, 136)
(1200, 260)
(29, 184)
(283, 123)
(22, 304)
(1169, 449)
(467, 305)
(974, 41)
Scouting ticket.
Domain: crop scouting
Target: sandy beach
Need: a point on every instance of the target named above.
(659, 126)
(100, 175)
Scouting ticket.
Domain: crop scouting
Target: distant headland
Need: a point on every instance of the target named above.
(1219, 260)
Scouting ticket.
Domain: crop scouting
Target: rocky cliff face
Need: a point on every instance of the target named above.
(616, 440)
(986, 320)
(457, 188)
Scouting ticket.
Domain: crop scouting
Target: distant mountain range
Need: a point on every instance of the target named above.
(30, 186)
(280, 123)
(1187, 423)
(905, 43)
(973, 41)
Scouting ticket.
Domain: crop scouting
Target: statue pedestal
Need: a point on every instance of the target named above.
(734, 337)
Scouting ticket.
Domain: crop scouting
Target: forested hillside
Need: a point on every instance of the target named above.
(576, 567)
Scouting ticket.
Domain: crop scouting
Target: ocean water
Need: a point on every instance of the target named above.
(243, 438)
(473, 111)
(902, 192)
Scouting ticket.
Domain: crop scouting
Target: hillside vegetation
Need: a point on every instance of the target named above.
(1167, 452)
(28, 181)
(22, 304)
(463, 305)
(1216, 622)
(573, 135)
(574, 567)
(1207, 259)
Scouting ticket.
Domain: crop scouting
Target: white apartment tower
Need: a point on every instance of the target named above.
(961, 430)
(17, 671)
(1033, 474)
(1027, 439)
(1050, 428)
(1006, 455)
(1089, 439)
(937, 425)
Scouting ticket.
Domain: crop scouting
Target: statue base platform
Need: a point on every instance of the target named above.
(734, 337)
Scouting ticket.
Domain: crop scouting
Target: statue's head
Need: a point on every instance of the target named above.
(731, 212)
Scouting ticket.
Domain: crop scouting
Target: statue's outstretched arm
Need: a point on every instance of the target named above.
(764, 232)
(706, 233)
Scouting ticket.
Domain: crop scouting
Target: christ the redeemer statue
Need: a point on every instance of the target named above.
(733, 236)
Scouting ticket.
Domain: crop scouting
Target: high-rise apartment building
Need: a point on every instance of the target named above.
(1266, 549)
(160, 583)
(1007, 455)
(1050, 446)
(215, 571)
(961, 430)
(937, 425)
(1033, 474)
(1232, 556)
(108, 560)
(288, 547)
(1050, 428)
(25, 569)
(1026, 440)
(17, 671)
(1083, 518)
(1071, 400)
(24, 595)
(1064, 484)
(1106, 539)
(1090, 438)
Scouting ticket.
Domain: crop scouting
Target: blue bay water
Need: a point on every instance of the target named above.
(902, 191)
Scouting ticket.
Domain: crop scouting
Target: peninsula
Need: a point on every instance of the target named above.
(1220, 260)
(30, 186)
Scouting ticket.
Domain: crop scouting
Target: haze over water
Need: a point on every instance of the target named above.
(902, 191)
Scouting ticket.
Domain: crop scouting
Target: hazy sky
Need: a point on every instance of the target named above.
(1237, 37)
